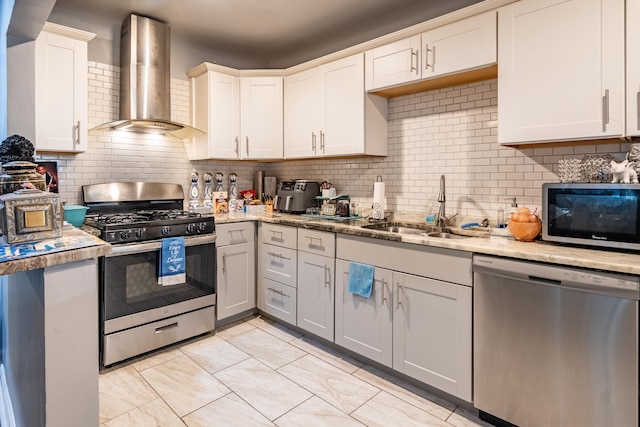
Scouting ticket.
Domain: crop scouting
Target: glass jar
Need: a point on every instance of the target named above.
(18, 175)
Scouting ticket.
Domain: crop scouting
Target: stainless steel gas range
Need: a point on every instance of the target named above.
(137, 313)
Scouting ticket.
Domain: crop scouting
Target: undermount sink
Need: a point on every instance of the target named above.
(417, 230)
(445, 235)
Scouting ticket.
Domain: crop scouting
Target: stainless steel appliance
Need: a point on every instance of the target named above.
(592, 214)
(555, 346)
(136, 313)
(296, 196)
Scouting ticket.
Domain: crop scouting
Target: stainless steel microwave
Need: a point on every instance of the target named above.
(596, 214)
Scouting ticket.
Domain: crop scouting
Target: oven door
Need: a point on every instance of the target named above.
(131, 295)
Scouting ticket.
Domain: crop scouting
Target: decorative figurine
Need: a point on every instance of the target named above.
(233, 190)
(219, 177)
(194, 192)
(624, 172)
(208, 178)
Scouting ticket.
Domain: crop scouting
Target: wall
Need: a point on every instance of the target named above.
(451, 131)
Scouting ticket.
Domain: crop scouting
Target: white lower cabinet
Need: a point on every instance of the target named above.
(236, 279)
(432, 332)
(316, 294)
(279, 300)
(364, 325)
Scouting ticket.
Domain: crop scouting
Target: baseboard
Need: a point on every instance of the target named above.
(6, 409)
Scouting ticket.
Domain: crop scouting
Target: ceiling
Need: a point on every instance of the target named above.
(270, 33)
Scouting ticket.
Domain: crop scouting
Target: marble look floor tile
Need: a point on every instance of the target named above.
(236, 328)
(214, 353)
(276, 329)
(271, 393)
(329, 355)
(408, 392)
(386, 410)
(184, 385)
(464, 418)
(156, 359)
(315, 412)
(331, 384)
(122, 390)
(266, 348)
(229, 410)
(153, 414)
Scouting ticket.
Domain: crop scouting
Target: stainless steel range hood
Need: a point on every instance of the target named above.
(145, 94)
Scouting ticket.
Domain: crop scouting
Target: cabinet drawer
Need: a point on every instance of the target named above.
(279, 300)
(237, 232)
(279, 264)
(279, 235)
(317, 242)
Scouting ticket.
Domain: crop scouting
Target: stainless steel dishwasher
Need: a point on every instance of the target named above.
(555, 346)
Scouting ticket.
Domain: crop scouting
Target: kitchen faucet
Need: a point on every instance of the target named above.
(442, 219)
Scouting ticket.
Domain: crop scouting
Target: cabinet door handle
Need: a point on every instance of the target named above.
(426, 56)
(275, 255)
(399, 300)
(327, 276)
(77, 133)
(247, 146)
(224, 263)
(605, 110)
(414, 54)
(237, 144)
(322, 142)
(383, 286)
(313, 142)
(277, 291)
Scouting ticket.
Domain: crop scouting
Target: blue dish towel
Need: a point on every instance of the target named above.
(360, 279)
(172, 262)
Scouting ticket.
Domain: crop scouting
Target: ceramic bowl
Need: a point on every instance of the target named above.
(74, 215)
(525, 231)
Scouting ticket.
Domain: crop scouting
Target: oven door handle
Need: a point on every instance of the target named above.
(117, 250)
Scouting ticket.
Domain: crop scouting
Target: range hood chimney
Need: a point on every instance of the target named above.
(145, 94)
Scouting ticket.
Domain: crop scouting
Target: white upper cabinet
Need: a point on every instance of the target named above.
(47, 90)
(242, 116)
(633, 68)
(393, 64)
(462, 45)
(328, 113)
(215, 109)
(301, 114)
(261, 117)
(561, 70)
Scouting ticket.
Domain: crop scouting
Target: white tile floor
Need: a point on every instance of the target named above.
(259, 373)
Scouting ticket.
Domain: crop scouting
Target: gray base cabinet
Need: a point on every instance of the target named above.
(277, 293)
(316, 287)
(236, 275)
(418, 319)
(364, 325)
(432, 332)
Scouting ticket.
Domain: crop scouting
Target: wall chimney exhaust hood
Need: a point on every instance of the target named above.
(145, 94)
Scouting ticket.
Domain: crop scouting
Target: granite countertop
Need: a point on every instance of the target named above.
(478, 242)
(74, 245)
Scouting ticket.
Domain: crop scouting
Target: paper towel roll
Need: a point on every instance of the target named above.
(379, 200)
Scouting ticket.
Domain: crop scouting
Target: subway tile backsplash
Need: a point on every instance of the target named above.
(450, 131)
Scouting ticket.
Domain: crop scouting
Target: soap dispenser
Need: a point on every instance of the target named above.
(514, 206)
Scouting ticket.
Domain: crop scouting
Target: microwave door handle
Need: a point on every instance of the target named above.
(275, 202)
(286, 205)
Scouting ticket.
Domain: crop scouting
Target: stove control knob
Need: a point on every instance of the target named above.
(165, 230)
(202, 227)
(141, 233)
(191, 228)
(125, 234)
